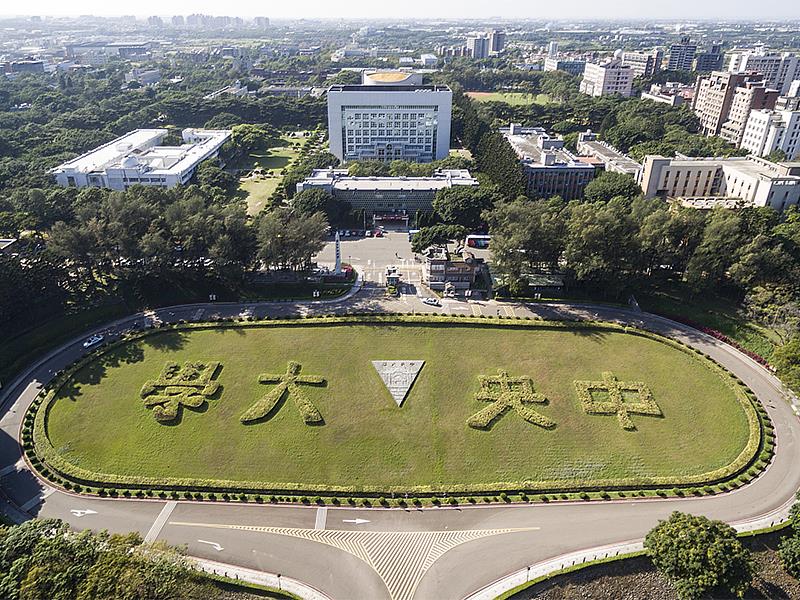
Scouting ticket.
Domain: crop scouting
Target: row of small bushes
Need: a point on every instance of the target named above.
(54, 467)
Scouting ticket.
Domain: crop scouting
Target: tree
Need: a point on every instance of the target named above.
(497, 160)
(699, 556)
(602, 249)
(610, 185)
(789, 553)
(463, 205)
(369, 168)
(288, 241)
(786, 360)
(316, 200)
(527, 237)
(209, 174)
(722, 239)
(436, 235)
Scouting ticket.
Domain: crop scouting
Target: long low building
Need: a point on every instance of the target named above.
(755, 181)
(613, 160)
(386, 198)
(137, 158)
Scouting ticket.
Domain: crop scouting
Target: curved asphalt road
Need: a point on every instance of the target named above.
(400, 554)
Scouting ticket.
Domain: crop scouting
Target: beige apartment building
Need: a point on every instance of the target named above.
(714, 95)
(755, 181)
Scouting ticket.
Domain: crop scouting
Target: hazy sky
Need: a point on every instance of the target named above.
(568, 9)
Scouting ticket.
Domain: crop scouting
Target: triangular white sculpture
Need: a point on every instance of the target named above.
(398, 375)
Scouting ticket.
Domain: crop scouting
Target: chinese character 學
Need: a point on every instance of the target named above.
(190, 385)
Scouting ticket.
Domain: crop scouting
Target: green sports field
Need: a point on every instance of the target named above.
(100, 423)
(512, 98)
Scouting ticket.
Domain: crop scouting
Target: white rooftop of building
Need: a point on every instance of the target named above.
(341, 181)
(140, 149)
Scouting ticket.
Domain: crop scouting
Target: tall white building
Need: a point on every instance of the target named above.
(770, 130)
(497, 41)
(478, 46)
(610, 77)
(391, 116)
(779, 70)
(644, 64)
(139, 158)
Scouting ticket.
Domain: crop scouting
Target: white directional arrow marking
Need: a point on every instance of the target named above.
(214, 545)
(83, 513)
(356, 521)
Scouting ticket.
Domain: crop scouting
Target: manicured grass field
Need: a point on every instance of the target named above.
(273, 162)
(99, 421)
(512, 98)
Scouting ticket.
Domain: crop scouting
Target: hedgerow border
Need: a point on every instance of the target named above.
(49, 465)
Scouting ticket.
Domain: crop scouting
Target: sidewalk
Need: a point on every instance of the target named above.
(279, 582)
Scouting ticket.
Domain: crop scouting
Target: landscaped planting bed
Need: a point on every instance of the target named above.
(295, 407)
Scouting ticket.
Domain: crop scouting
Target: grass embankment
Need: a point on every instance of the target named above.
(99, 421)
(717, 313)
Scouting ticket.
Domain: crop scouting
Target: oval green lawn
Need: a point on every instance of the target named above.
(98, 421)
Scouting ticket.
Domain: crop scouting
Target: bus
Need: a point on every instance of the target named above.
(478, 241)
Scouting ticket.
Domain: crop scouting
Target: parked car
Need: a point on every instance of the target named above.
(369, 233)
(431, 301)
(378, 233)
(93, 341)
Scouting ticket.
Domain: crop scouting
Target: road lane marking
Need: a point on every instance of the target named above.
(509, 310)
(160, 521)
(400, 558)
(80, 512)
(214, 545)
(476, 309)
(322, 516)
(38, 499)
(356, 521)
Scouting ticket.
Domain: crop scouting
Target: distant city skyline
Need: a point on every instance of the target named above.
(680, 10)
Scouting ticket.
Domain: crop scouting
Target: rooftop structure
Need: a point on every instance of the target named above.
(612, 159)
(753, 180)
(138, 158)
(550, 169)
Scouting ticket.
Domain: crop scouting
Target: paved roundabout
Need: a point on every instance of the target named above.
(453, 552)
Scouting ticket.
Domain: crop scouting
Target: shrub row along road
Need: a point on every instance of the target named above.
(396, 553)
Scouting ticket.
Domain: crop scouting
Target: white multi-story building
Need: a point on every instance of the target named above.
(779, 70)
(644, 64)
(138, 158)
(770, 130)
(753, 181)
(610, 77)
(479, 46)
(391, 116)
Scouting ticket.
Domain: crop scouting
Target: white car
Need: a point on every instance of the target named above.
(431, 301)
(93, 341)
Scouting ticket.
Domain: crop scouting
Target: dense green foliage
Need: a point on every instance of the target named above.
(700, 556)
(44, 559)
(436, 235)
